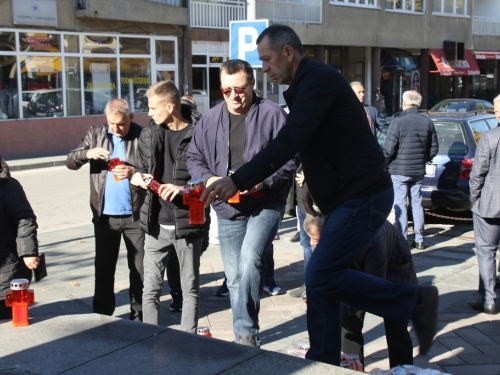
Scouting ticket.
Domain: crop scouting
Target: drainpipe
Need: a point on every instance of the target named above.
(187, 51)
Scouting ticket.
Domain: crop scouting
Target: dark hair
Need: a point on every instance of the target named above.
(166, 91)
(279, 36)
(235, 66)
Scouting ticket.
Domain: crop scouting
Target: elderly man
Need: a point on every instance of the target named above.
(376, 121)
(353, 191)
(227, 136)
(484, 186)
(411, 142)
(161, 153)
(114, 203)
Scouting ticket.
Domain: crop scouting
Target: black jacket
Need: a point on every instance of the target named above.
(17, 230)
(411, 142)
(327, 125)
(98, 136)
(378, 122)
(148, 153)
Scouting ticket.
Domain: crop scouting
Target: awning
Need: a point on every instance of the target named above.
(487, 55)
(397, 59)
(466, 67)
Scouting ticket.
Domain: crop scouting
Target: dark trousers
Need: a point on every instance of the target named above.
(174, 274)
(398, 339)
(108, 232)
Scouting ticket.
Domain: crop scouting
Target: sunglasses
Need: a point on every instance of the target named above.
(238, 90)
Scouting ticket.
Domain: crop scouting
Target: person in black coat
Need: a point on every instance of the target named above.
(18, 241)
(376, 121)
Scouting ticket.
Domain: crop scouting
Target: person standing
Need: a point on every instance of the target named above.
(484, 186)
(354, 190)
(161, 154)
(376, 121)
(227, 136)
(411, 142)
(18, 240)
(115, 204)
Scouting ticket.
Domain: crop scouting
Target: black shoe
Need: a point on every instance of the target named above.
(418, 245)
(486, 308)
(296, 237)
(222, 291)
(176, 304)
(425, 316)
(497, 283)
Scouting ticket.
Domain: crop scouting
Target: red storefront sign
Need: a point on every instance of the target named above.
(466, 67)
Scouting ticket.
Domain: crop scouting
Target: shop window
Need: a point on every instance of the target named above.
(9, 94)
(135, 80)
(71, 43)
(135, 46)
(200, 82)
(99, 44)
(39, 42)
(73, 85)
(457, 7)
(41, 81)
(99, 82)
(199, 59)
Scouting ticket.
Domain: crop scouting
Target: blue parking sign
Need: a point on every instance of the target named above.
(243, 36)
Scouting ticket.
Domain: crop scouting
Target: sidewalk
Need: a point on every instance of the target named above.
(467, 341)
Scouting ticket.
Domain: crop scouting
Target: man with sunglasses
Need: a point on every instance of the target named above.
(227, 136)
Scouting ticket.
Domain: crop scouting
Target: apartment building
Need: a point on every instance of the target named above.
(62, 60)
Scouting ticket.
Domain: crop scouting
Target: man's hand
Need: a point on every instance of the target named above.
(223, 189)
(169, 191)
(308, 201)
(212, 179)
(252, 190)
(31, 262)
(123, 171)
(97, 152)
(138, 180)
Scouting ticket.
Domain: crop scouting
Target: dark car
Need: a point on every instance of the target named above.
(45, 103)
(462, 105)
(446, 183)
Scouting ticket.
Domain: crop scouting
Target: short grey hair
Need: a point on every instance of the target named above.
(412, 98)
(313, 222)
(356, 83)
(117, 107)
(496, 100)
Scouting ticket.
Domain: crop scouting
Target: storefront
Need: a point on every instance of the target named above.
(487, 84)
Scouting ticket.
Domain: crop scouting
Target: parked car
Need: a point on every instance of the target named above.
(462, 105)
(45, 103)
(446, 183)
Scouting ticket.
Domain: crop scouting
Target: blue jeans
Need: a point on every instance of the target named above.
(401, 186)
(156, 253)
(330, 281)
(243, 244)
(269, 278)
(305, 240)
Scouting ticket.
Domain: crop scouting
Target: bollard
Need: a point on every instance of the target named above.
(191, 198)
(19, 297)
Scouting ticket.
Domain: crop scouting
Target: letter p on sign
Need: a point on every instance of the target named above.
(243, 37)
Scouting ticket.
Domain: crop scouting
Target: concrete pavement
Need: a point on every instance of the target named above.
(467, 341)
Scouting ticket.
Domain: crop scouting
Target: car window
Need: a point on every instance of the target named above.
(478, 127)
(450, 106)
(451, 138)
(492, 122)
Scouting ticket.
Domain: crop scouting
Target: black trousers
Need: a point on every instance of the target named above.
(398, 339)
(108, 233)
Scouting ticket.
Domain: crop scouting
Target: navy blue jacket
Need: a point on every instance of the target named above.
(327, 125)
(378, 122)
(208, 154)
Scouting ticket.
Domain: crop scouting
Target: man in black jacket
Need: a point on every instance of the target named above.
(161, 154)
(411, 142)
(114, 203)
(376, 121)
(345, 173)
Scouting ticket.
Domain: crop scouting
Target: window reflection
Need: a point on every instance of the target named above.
(9, 97)
(135, 80)
(73, 84)
(40, 42)
(134, 46)
(99, 44)
(100, 83)
(165, 53)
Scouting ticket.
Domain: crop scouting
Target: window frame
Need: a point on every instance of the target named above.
(441, 11)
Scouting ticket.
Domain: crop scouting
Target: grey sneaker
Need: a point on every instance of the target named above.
(273, 289)
(297, 293)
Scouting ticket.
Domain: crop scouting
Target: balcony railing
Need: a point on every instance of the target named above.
(216, 14)
(485, 26)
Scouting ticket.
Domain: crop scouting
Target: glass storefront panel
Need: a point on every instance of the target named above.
(73, 84)
(165, 52)
(135, 46)
(41, 81)
(100, 83)
(9, 95)
(71, 43)
(99, 44)
(40, 42)
(135, 79)
(200, 82)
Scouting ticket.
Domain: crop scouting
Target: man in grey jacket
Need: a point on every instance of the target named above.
(411, 142)
(484, 185)
(115, 204)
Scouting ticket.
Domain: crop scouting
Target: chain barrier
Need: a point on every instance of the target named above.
(448, 217)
